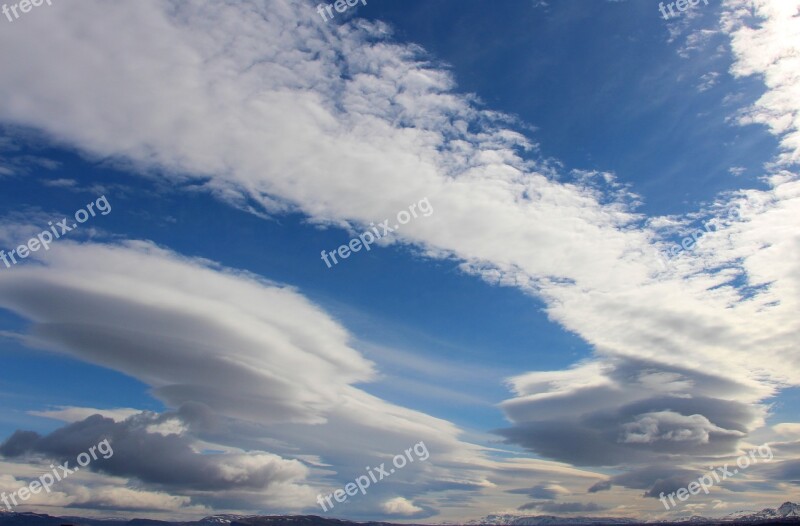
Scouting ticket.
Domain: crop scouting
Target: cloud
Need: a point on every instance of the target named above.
(400, 506)
(82, 492)
(75, 414)
(12, 161)
(655, 479)
(603, 485)
(562, 507)
(232, 356)
(111, 330)
(790, 429)
(669, 425)
(348, 100)
(129, 499)
(542, 491)
(164, 460)
(172, 426)
(395, 129)
(765, 47)
(628, 412)
(709, 80)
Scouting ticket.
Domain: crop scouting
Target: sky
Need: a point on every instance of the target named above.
(546, 253)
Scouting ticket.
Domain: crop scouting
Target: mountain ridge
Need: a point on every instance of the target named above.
(787, 513)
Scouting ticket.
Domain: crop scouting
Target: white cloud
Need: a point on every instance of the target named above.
(173, 426)
(768, 48)
(92, 494)
(505, 217)
(708, 81)
(400, 506)
(129, 499)
(788, 429)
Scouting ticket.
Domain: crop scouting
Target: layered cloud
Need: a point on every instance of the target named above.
(629, 411)
(263, 407)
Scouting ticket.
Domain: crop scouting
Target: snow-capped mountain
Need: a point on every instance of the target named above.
(738, 515)
(536, 520)
(786, 510)
(222, 519)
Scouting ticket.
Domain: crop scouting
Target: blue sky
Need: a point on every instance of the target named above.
(525, 330)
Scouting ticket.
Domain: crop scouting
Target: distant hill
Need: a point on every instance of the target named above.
(787, 514)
